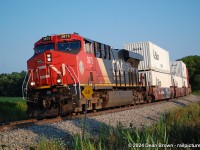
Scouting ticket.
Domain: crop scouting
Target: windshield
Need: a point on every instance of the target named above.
(41, 48)
(70, 46)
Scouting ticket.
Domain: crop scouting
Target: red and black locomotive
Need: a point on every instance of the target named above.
(62, 65)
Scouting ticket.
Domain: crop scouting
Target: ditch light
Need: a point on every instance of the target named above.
(49, 58)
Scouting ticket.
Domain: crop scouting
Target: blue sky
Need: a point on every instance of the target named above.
(172, 24)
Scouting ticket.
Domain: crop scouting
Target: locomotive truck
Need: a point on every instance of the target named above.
(63, 64)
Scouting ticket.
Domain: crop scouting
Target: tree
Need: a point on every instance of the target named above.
(10, 84)
(193, 65)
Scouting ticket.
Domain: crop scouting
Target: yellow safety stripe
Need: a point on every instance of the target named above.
(100, 85)
(127, 85)
(43, 87)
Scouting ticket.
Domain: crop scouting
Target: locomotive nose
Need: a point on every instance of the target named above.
(45, 69)
(39, 69)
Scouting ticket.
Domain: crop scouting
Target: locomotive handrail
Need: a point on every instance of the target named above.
(74, 73)
(77, 80)
(72, 77)
(26, 83)
(23, 84)
(55, 69)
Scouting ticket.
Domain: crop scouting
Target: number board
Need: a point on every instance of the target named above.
(65, 36)
(47, 38)
(87, 92)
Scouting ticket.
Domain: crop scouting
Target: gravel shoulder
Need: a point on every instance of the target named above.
(137, 117)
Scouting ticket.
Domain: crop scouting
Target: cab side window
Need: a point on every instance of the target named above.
(97, 48)
(107, 52)
(102, 51)
(89, 48)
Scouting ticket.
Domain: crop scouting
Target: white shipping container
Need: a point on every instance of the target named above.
(155, 58)
(185, 82)
(155, 78)
(178, 68)
(179, 81)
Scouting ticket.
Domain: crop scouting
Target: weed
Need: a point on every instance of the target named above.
(50, 144)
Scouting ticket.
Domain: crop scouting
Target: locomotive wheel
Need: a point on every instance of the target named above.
(149, 99)
(94, 108)
(134, 102)
(40, 117)
(73, 114)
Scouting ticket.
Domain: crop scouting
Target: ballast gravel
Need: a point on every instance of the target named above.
(24, 138)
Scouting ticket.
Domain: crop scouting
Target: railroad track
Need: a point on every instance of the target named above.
(30, 122)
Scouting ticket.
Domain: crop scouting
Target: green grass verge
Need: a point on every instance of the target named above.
(12, 109)
(50, 144)
(196, 92)
(12, 99)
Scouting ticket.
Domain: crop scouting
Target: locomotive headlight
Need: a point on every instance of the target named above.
(59, 79)
(49, 57)
(32, 83)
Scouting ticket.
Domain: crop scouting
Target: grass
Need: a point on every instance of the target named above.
(12, 109)
(11, 99)
(50, 144)
(123, 138)
(184, 124)
(196, 92)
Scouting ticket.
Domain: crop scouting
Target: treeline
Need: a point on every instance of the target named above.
(193, 65)
(11, 84)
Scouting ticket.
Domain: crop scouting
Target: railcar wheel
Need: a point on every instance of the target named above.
(73, 114)
(149, 99)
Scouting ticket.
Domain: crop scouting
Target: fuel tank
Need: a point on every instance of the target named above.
(118, 98)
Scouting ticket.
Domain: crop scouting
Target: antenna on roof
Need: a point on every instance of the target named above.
(76, 33)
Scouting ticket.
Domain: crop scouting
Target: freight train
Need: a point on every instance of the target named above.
(64, 64)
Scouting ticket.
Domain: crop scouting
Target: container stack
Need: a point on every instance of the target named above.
(156, 64)
(179, 74)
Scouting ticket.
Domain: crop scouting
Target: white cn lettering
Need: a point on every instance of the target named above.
(117, 65)
(113, 66)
